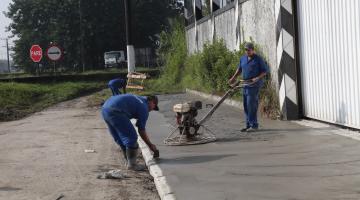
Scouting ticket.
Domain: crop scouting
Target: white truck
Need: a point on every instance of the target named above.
(114, 59)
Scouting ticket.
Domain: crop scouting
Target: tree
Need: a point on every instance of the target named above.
(101, 29)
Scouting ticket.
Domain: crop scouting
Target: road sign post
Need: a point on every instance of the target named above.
(36, 53)
(54, 53)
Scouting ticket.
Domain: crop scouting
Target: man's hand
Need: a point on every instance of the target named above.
(156, 154)
(155, 150)
(255, 79)
(231, 81)
(152, 147)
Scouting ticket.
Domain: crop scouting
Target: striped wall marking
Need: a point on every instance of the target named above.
(285, 43)
(277, 7)
(287, 89)
(288, 43)
(290, 87)
(287, 5)
(279, 49)
(282, 93)
(286, 65)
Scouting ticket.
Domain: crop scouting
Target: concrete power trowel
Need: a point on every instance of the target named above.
(189, 131)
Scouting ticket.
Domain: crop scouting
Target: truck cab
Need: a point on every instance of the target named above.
(114, 59)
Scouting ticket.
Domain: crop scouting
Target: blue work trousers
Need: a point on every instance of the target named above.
(251, 104)
(115, 90)
(121, 128)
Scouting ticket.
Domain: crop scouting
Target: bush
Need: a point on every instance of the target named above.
(211, 69)
(207, 71)
(172, 53)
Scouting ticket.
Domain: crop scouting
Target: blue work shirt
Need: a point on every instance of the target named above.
(117, 83)
(135, 107)
(252, 68)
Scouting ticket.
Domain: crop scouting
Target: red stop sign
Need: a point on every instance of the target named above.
(36, 53)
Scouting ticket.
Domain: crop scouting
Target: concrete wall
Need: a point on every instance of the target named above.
(257, 21)
(225, 28)
(235, 24)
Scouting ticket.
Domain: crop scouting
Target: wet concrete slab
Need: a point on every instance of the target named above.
(283, 160)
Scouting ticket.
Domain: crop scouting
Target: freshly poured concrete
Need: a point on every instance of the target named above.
(283, 160)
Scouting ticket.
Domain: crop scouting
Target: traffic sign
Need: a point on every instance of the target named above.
(36, 53)
(54, 53)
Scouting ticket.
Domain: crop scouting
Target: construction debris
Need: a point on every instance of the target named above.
(89, 151)
(112, 174)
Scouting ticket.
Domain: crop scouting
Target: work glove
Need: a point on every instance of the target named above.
(155, 150)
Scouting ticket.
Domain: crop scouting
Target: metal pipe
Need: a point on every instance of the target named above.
(238, 85)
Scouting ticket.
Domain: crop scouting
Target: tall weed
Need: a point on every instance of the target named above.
(207, 71)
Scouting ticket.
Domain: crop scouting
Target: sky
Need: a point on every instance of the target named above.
(4, 21)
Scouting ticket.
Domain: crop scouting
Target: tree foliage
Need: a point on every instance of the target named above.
(101, 28)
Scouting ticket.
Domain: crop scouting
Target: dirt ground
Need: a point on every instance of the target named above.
(43, 157)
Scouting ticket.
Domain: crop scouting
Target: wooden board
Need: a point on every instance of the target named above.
(137, 76)
(135, 87)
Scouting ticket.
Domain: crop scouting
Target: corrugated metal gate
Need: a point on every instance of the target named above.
(329, 42)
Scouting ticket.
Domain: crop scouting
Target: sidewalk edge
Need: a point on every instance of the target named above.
(164, 190)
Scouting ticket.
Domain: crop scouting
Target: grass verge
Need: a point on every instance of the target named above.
(89, 72)
(18, 100)
(152, 87)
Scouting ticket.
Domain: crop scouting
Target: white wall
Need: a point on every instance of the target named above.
(330, 60)
(256, 20)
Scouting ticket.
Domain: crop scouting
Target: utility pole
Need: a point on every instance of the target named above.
(7, 53)
(129, 42)
(81, 39)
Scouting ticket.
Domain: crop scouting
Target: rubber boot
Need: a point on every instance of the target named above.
(124, 158)
(131, 155)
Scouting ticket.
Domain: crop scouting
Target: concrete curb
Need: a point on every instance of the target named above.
(229, 102)
(164, 190)
(355, 135)
(162, 186)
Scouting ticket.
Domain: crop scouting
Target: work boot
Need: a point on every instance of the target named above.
(131, 155)
(124, 157)
(245, 129)
(253, 129)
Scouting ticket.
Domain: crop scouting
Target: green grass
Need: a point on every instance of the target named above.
(18, 100)
(152, 87)
(89, 72)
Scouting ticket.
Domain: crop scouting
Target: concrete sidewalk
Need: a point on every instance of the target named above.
(284, 160)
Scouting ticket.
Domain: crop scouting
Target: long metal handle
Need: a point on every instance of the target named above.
(229, 93)
(208, 115)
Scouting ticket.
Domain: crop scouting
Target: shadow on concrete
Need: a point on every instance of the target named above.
(193, 159)
(270, 130)
(250, 138)
(8, 188)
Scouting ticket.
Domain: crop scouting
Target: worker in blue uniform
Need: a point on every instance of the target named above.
(117, 112)
(116, 84)
(253, 69)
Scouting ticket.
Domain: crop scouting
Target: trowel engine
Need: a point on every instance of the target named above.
(186, 118)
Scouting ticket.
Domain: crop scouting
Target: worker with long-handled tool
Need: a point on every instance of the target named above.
(253, 68)
(117, 112)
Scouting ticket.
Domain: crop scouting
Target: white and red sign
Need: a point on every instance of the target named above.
(54, 53)
(36, 53)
